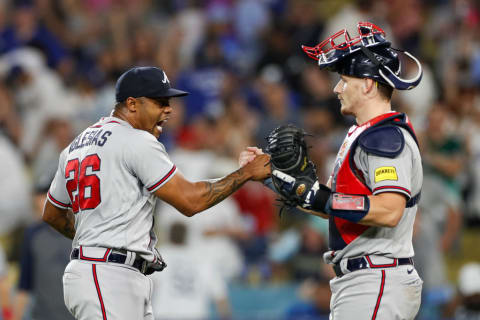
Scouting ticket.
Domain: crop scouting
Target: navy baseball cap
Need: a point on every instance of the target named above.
(150, 82)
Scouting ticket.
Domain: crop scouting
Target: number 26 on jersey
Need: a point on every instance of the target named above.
(83, 188)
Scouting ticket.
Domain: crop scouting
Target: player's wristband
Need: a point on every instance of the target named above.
(349, 207)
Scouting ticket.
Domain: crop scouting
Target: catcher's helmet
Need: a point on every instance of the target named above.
(368, 55)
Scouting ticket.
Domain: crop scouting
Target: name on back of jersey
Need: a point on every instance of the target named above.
(87, 138)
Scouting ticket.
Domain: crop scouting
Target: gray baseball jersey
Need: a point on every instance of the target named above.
(384, 290)
(107, 175)
(402, 174)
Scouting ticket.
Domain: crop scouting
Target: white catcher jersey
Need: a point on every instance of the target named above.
(107, 176)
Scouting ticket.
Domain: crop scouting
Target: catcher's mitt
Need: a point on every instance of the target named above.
(293, 174)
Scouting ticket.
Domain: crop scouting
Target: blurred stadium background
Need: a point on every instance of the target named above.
(242, 63)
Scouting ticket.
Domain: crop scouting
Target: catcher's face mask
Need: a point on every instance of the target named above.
(368, 55)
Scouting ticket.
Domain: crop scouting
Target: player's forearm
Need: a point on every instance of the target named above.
(211, 192)
(381, 213)
(191, 198)
(61, 220)
(384, 211)
(64, 224)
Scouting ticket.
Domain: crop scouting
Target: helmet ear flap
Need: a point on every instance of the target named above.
(399, 83)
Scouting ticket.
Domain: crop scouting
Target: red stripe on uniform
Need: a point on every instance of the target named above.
(99, 293)
(113, 121)
(379, 298)
(163, 179)
(372, 265)
(392, 187)
(57, 202)
(104, 259)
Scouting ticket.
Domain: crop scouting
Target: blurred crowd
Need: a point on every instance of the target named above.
(242, 62)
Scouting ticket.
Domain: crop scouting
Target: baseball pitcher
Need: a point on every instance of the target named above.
(104, 194)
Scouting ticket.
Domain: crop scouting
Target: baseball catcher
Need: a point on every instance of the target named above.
(372, 194)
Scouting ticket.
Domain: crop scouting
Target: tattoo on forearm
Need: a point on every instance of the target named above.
(219, 189)
(65, 224)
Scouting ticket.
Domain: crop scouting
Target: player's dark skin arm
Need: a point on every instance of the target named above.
(191, 198)
(61, 220)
